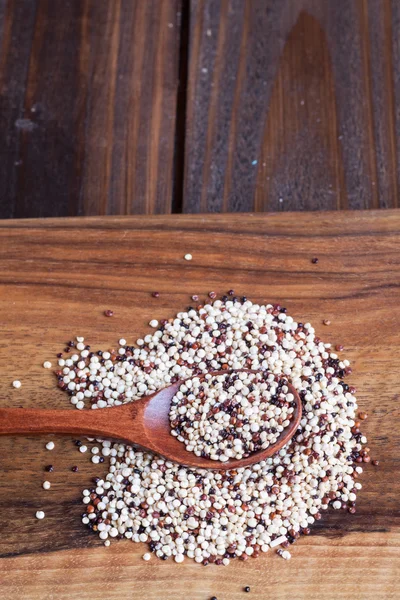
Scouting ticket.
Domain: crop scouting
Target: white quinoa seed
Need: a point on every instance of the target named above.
(50, 446)
(17, 384)
(179, 558)
(40, 514)
(188, 257)
(46, 485)
(273, 500)
(47, 364)
(278, 540)
(146, 556)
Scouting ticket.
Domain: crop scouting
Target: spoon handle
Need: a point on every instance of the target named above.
(107, 422)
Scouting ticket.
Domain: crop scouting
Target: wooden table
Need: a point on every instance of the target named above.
(169, 106)
(58, 276)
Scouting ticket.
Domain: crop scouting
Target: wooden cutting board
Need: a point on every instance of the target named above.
(57, 278)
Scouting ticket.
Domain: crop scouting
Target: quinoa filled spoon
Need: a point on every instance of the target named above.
(146, 423)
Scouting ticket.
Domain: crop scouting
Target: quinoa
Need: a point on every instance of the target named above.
(216, 516)
(230, 415)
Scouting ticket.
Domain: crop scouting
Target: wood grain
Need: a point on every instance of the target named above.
(192, 106)
(16, 34)
(292, 105)
(88, 103)
(56, 279)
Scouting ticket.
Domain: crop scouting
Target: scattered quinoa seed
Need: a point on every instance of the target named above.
(326, 322)
(188, 257)
(155, 294)
(50, 446)
(40, 514)
(314, 260)
(49, 468)
(17, 384)
(247, 589)
(74, 469)
(108, 313)
(146, 556)
(46, 485)
(47, 364)
(153, 323)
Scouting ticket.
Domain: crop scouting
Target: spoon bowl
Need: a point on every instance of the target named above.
(144, 423)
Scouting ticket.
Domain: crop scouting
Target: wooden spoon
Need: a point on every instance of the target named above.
(144, 422)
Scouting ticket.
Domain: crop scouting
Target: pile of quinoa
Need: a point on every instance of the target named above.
(231, 415)
(215, 516)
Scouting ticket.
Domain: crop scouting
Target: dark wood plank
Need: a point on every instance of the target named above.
(131, 127)
(91, 120)
(17, 21)
(69, 270)
(292, 105)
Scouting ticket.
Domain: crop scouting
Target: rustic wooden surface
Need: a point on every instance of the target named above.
(58, 276)
(159, 106)
(292, 105)
(88, 93)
